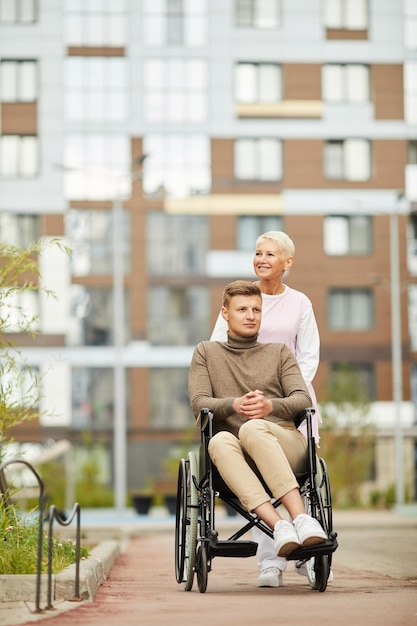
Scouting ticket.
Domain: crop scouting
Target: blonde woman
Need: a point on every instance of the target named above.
(287, 317)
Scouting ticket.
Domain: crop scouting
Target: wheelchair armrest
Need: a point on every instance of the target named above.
(305, 414)
(204, 419)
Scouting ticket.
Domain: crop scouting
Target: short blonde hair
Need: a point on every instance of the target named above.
(282, 241)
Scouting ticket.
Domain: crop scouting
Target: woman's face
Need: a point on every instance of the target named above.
(269, 262)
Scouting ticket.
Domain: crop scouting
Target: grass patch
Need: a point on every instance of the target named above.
(19, 548)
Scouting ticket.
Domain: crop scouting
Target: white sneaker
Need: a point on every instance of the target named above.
(285, 538)
(270, 577)
(301, 568)
(309, 530)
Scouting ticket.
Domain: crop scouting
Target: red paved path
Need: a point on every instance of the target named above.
(141, 589)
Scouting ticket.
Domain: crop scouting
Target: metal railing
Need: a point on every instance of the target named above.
(53, 515)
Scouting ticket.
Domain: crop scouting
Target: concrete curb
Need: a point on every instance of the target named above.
(93, 571)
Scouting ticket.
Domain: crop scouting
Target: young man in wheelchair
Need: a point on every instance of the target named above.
(255, 392)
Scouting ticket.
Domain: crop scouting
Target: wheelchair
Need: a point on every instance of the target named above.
(197, 541)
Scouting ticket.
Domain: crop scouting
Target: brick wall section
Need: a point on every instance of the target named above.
(222, 232)
(222, 159)
(388, 91)
(19, 118)
(302, 81)
(389, 161)
(139, 399)
(95, 51)
(303, 163)
(341, 33)
(52, 225)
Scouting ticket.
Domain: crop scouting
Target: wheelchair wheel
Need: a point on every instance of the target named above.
(323, 486)
(318, 568)
(321, 572)
(186, 521)
(201, 568)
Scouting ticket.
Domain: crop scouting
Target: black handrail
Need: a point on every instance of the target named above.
(41, 515)
(53, 515)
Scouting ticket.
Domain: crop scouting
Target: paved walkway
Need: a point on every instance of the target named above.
(375, 579)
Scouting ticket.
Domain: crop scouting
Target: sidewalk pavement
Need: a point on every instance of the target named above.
(381, 543)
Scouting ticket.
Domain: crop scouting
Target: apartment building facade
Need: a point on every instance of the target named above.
(158, 139)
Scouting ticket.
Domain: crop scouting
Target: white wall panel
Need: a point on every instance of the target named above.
(55, 273)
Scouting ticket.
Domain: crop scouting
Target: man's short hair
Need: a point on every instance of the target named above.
(240, 288)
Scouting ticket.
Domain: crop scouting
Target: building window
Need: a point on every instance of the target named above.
(18, 81)
(345, 14)
(412, 315)
(18, 11)
(90, 237)
(347, 160)
(19, 230)
(258, 13)
(258, 83)
(345, 83)
(175, 22)
(412, 152)
(91, 322)
(178, 316)
(249, 228)
(410, 92)
(176, 90)
(353, 380)
(97, 166)
(18, 156)
(96, 89)
(168, 396)
(21, 386)
(179, 244)
(258, 159)
(95, 23)
(412, 258)
(413, 392)
(347, 235)
(350, 309)
(178, 165)
(410, 24)
(92, 398)
(20, 311)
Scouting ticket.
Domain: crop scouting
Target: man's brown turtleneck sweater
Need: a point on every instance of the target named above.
(223, 371)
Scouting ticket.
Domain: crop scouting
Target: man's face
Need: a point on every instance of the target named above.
(243, 315)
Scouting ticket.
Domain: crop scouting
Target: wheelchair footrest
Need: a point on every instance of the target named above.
(232, 548)
(303, 554)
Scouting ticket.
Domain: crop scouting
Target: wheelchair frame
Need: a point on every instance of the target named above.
(196, 538)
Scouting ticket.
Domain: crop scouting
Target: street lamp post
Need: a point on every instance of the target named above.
(396, 348)
(120, 425)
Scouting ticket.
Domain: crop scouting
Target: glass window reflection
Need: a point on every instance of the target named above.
(96, 89)
(178, 165)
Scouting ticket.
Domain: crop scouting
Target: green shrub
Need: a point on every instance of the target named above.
(347, 436)
(19, 534)
(90, 492)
